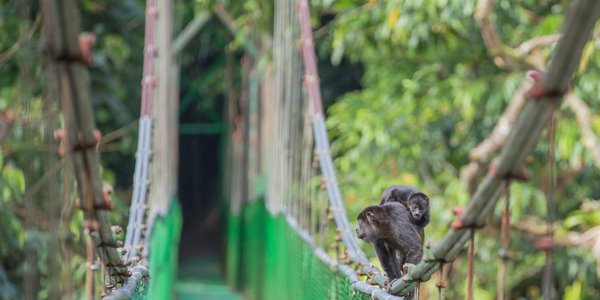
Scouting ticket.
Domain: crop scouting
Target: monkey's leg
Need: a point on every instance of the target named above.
(413, 257)
(386, 258)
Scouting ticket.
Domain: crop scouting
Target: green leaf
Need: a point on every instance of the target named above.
(14, 177)
(585, 57)
(117, 49)
(573, 292)
(6, 193)
(551, 24)
(344, 4)
(582, 218)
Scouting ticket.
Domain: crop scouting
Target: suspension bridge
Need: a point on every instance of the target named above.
(287, 232)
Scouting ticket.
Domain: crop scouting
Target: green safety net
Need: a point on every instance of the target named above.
(276, 262)
(164, 246)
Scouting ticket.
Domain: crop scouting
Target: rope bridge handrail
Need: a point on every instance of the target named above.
(141, 178)
(62, 29)
(138, 223)
(311, 80)
(578, 27)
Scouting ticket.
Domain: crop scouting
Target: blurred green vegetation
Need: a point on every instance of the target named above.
(410, 88)
(430, 93)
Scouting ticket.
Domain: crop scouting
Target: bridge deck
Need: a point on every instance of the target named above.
(203, 278)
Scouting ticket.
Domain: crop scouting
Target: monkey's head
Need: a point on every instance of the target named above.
(417, 205)
(369, 223)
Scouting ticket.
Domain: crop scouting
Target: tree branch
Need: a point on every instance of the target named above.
(583, 116)
(234, 29)
(481, 154)
(505, 57)
(500, 132)
(518, 59)
(6, 55)
(537, 228)
(536, 42)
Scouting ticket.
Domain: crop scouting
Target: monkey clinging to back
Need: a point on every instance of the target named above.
(416, 202)
(396, 228)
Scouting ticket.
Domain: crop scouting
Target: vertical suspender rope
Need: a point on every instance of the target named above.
(311, 80)
(440, 284)
(551, 207)
(502, 292)
(470, 264)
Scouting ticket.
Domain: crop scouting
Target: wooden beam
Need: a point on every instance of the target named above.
(190, 30)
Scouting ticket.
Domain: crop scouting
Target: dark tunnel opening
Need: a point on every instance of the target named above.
(202, 244)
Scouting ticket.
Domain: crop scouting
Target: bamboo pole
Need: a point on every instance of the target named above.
(61, 29)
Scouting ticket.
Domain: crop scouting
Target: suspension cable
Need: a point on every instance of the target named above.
(505, 238)
(551, 206)
(470, 264)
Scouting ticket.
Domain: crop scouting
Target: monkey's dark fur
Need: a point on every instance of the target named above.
(414, 200)
(395, 238)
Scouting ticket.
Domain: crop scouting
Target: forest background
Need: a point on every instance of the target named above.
(417, 92)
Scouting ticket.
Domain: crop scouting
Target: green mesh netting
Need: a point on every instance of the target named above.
(276, 263)
(232, 265)
(164, 245)
(141, 290)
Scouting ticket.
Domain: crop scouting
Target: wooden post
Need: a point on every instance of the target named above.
(166, 114)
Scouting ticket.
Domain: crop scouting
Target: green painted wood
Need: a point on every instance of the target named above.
(203, 278)
(233, 246)
(206, 291)
(200, 128)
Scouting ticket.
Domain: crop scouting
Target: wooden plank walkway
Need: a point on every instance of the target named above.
(203, 278)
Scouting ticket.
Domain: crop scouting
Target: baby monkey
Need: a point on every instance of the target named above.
(414, 200)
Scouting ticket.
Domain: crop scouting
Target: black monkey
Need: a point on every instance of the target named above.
(393, 234)
(414, 200)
